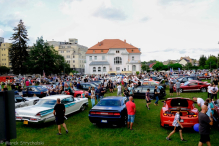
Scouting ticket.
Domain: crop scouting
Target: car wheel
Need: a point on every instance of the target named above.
(180, 90)
(203, 90)
(125, 120)
(83, 107)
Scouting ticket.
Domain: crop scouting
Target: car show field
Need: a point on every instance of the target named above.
(147, 129)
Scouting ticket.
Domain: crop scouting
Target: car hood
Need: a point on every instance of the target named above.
(32, 110)
(117, 108)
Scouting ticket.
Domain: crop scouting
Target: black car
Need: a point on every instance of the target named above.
(140, 91)
(185, 79)
(110, 110)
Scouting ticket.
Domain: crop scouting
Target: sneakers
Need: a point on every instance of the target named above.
(183, 140)
(167, 138)
(59, 133)
(66, 131)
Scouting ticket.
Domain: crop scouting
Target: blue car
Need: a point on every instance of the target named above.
(31, 90)
(110, 110)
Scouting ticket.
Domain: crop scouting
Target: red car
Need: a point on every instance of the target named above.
(193, 85)
(188, 114)
(203, 77)
(216, 112)
(78, 93)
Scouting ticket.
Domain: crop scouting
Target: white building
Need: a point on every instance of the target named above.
(112, 56)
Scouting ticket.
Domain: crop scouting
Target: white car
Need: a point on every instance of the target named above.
(42, 112)
(24, 101)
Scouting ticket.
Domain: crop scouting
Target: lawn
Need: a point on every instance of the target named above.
(147, 130)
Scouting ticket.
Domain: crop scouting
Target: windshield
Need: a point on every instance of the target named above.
(109, 103)
(186, 83)
(46, 103)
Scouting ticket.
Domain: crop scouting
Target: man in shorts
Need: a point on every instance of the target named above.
(204, 126)
(59, 113)
(131, 109)
(177, 87)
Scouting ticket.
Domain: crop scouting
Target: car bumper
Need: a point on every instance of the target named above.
(189, 124)
(106, 120)
(23, 119)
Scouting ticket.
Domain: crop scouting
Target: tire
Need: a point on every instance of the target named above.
(125, 120)
(181, 90)
(203, 90)
(83, 107)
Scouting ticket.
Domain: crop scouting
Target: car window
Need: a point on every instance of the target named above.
(186, 83)
(193, 84)
(144, 89)
(46, 103)
(67, 100)
(18, 99)
(109, 103)
(179, 102)
(190, 79)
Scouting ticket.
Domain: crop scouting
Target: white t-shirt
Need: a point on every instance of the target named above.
(214, 89)
(200, 101)
(119, 88)
(209, 89)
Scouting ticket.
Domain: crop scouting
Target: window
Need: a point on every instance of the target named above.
(67, 100)
(73, 56)
(68, 61)
(68, 56)
(117, 68)
(117, 51)
(133, 58)
(73, 66)
(73, 61)
(95, 57)
(67, 51)
(69, 46)
(90, 58)
(103, 57)
(99, 69)
(94, 69)
(104, 69)
(117, 60)
(133, 68)
(62, 51)
(124, 69)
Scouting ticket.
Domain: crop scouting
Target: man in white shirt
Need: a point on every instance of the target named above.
(200, 101)
(209, 91)
(119, 89)
(125, 81)
(214, 91)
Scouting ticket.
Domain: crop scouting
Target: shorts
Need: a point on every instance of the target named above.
(131, 118)
(20, 93)
(148, 101)
(204, 138)
(111, 87)
(59, 120)
(171, 90)
(177, 89)
(178, 128)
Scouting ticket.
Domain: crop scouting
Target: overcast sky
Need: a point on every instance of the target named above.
(163, 29)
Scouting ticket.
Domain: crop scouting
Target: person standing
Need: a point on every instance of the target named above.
(177, 125)
(119, 88)
(20, 90)
(27, 83)
(209, 90)
(214, 91)
(101, 92)
(98, 94)
(126, 93)
(178, 88)
(131, 110)
(148, 100)
(59, 113)
(93, 99)
(199, 101)
(156, 93)
(171, 88)
(215, 81)
(204, 126)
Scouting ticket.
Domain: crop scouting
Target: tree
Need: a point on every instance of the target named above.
(188, 66)
(176, 66)
(18, 50)
(44, 57)
(158, 66)
(202, 61)
(144, 66)
(4, 69)
(211, 63)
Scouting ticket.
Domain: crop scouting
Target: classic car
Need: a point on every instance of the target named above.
(85, 86)
(188, 114)
(156, 78)
(22, 101)
(185, 79)
(140, 91)
(216, 112)
(203, 77)
(110, 110)
(77, 93)
(42, 112)
(193, 85)
(31, 90)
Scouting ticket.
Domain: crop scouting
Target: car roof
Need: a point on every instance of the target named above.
(113, 97)
(55, 97)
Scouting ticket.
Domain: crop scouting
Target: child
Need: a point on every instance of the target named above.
(148, 100)
(119, 88)
(92, 99)
(83, 94)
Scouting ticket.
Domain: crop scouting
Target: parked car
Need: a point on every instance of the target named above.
(203, 77)
(22, 101)
(193, 85)
(188, 114)
(156, 78)
(31, 90)
(216, 112)
(110, 110)
(85, 86)
(140, 91)
(77, 93)
(42, 112)
(185, 79)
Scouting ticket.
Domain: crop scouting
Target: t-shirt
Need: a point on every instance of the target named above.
(101, 93)
(204, 127)
(155, 90)
(119, 88)
(214, 89)
(209, 89)
(171, 86)
(130, 90)
(147, 94)
(59, 108)
(126, 92)
(200, 101)
(177, 84)
(130, 108)
(19, 89)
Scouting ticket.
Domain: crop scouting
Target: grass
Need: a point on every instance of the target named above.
(147, 130)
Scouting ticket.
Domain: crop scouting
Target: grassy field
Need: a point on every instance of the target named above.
(147, 130)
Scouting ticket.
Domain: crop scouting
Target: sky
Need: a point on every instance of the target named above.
(162, 29)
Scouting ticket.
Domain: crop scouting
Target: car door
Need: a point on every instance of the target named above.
(193, 86)
(69, 105)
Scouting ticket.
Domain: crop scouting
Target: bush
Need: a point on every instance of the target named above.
(137, 72)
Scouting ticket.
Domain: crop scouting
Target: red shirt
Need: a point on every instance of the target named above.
(130, 107)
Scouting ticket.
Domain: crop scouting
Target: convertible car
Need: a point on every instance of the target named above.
(22, 101)
(188, 114)
(42, 112)
(193, 85)
(110, 110)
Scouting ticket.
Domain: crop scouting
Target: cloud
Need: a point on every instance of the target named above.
(110, 13)
(182, 51)
(145, 19)
(40, 4)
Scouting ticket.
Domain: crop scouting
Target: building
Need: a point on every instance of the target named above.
(170, 61)
(4, 57)
(73, 53)
(112, 56)
(1, 40)
(184, 60)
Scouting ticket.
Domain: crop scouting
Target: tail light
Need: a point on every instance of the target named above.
(38, 114)
(105, 113)
(18, 117)
(41, 92)
(33, 119)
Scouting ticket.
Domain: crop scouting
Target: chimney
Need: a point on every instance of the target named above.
(125, 40)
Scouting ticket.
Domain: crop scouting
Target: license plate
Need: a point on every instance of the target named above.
(104, 121)
(181, 121)
(26, 122)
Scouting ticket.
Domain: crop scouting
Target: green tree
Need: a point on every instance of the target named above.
(4, 69)
(188, 66)
(211, 63)
(202, 61)
(18, 50)
(44, 57)
(165, 67)
(158, 66)
(175, 66)
(144, 67)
